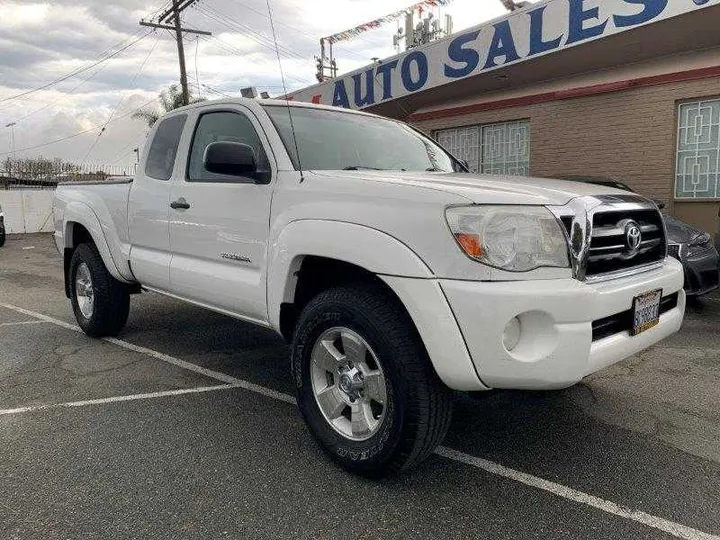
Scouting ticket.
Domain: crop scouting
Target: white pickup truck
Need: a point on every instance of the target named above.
(394, 273)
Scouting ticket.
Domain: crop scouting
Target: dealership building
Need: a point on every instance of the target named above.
(625, 89)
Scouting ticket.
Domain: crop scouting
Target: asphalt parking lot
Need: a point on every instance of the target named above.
(184, 427)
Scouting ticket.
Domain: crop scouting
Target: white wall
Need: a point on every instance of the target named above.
(27, 210)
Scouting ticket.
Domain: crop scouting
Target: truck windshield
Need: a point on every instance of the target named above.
(337, 140)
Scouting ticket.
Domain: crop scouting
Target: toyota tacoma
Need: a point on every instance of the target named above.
(395, 274)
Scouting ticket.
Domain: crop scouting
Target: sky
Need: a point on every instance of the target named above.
(44, 41)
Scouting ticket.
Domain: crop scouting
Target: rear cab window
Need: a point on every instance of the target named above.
(163, 150)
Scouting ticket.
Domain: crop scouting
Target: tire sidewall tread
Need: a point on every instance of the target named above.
(419, 405)
(111, 298)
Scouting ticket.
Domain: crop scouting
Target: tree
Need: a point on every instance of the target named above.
(170, 99)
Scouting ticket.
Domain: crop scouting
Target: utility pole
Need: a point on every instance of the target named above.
(173, 14)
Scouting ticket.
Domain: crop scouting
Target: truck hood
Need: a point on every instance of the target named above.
(484, 188)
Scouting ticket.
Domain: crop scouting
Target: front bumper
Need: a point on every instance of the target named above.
(702, 272)
(556, 347)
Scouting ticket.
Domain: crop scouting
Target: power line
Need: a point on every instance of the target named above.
(298, 30)
(64, 96)
(79, 133)
(132, 82)
(76, 72)
(234, 50)
(233, 24)
(165, 5)
(231, 48)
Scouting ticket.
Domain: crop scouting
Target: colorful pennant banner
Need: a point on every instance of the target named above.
(377, 23)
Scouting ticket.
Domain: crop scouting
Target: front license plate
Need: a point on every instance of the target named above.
(646, 311)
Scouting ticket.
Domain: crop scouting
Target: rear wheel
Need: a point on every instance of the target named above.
(100, 302)
(365, 385)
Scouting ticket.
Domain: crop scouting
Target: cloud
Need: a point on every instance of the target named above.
(41, 41)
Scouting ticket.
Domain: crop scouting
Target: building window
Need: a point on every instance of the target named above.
(502, 148)
(697, 174)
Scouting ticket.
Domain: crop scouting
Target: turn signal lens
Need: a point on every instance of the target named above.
(470, 243)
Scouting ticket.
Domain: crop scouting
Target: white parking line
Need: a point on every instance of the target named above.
(118, 399)
(20, 323)
(222, 377)
(675, 529)
(670, 527)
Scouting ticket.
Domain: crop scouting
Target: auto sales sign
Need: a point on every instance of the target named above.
(544, 28)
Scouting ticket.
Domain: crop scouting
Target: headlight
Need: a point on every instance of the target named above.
(513, 238)
(700, 240)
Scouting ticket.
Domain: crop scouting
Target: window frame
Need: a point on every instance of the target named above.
(481, 144)
(676, 150)
(146, 158)
(261, 177)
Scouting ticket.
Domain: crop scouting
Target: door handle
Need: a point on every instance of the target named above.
(181, 203)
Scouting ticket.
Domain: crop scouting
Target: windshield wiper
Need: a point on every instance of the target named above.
(361, 167)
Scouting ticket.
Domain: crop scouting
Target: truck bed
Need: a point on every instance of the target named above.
(108, 181)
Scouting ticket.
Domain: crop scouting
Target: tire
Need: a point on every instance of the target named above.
(2, 236)
(418, 406)
(107, 312)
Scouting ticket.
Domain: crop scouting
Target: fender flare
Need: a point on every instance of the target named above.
(397, 265)
(368, 248)
(82, 214)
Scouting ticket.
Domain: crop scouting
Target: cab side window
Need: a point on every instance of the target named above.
(223, 126)
(161, 156)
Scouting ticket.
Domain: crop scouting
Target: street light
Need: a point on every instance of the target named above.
(11, 125)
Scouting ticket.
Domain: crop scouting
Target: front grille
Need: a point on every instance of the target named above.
(609, 250)
(622, 322)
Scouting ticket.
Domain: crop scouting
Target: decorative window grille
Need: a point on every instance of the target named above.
(502, 148)
(697, 174)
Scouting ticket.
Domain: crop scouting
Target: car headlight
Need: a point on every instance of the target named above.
(700, 240)
(698, 244)
(513, 238)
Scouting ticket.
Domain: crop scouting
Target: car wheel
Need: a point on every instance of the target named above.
(2, 236)
(365, 384)
(100, 302)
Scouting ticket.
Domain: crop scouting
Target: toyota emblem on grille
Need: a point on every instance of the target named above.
(633, 237)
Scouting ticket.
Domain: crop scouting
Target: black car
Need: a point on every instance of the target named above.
(691, 246)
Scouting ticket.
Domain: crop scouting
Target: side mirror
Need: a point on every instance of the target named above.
(660, 204)
(231, 158)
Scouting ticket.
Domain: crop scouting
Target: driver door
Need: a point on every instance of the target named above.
(220, 224)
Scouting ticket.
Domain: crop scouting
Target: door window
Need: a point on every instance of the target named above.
(161, 156)
(223, 126)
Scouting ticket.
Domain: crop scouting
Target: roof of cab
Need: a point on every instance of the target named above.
(249, 102)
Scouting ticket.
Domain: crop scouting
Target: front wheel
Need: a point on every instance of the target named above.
(365, 384)
(100, 302)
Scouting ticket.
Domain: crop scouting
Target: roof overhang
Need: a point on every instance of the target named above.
(551, 39)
